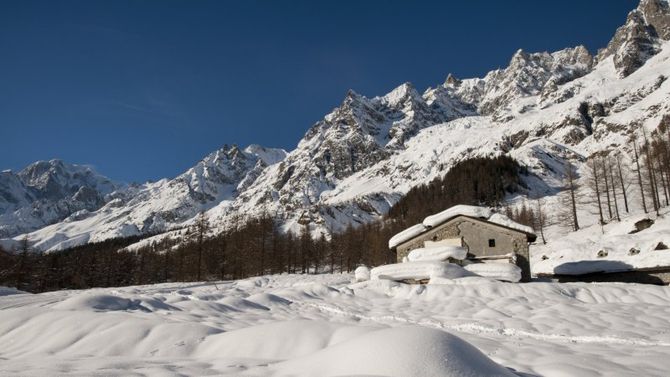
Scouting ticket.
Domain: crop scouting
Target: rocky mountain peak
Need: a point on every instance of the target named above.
(269, 156)
(49, 191)
(452, 81)
(639, 38)
(361, 157)
(519, 57)
(657, 14)
(234, 153)
(528, 74)
(40, 173)
(352, 98)
(55, 178)
(578, 55)
(402, 95)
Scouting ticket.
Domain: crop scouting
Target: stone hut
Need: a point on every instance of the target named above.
(489, 237)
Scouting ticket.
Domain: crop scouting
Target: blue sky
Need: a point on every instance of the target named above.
(144, 89)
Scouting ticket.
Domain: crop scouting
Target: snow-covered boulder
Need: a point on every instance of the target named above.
(437, 253)
(362, 273)
(499, 271)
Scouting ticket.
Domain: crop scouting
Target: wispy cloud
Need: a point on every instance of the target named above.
(151, 105)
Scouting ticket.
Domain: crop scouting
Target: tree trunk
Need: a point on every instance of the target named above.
(639, 177)
(623, 185)
(607, 189)
(593, 166)
(616, 203)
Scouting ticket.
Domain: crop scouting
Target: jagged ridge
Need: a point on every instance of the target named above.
(543, 109)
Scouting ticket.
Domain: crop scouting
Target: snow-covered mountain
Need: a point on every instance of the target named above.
(49, 191)
(160, 206)
(350, 167)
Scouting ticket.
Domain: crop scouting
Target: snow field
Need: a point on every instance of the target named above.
(327, 326)
(612, 247)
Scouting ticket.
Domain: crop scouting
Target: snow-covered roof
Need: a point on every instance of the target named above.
(406, 235)
(505, 221)
(484, 213)
(458, 210)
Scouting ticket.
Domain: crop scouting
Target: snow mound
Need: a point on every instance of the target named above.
(499, 271)
(99, 302)
(277, 341)
(362, 273)
(242, 304)
(268, 299)
(400, 351)
(332, 327)
(438, 253)
(419, 270)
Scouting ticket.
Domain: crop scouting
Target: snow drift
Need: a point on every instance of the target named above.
(323, 325)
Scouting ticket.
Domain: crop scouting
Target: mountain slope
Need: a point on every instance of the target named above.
(596, 111)
(49, 191)
(163, 205)
(544, 109)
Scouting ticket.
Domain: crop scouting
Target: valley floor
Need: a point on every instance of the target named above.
(324, 325)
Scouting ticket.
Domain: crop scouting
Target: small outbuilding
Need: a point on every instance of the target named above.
(488, 237)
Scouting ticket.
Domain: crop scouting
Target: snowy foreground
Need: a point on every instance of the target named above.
(327, 326)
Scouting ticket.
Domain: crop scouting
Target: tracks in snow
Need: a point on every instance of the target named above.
(474, 328)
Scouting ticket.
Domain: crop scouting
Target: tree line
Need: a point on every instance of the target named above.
(257, 246)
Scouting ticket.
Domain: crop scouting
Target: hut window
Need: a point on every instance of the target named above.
(492, 242)
(434, 238)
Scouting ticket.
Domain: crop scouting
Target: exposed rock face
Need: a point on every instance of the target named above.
(47, 192)
(657, 14)
(639, 38)
(356, 135)
(158, 206)
(543, 109)
(529, 73)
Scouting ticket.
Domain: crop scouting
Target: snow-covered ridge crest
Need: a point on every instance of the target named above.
(49, 191)
(544, 109)
(156, 207)
(646, 27)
